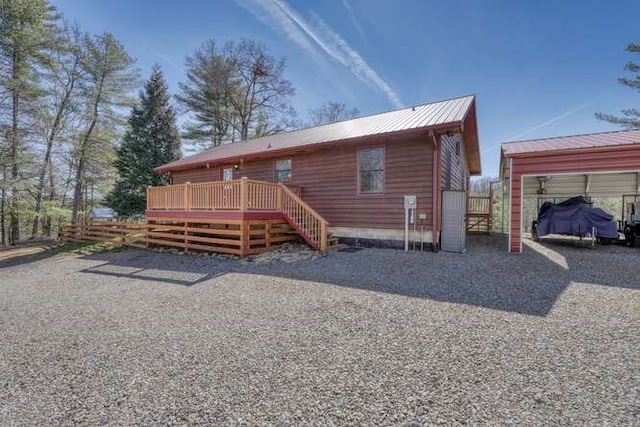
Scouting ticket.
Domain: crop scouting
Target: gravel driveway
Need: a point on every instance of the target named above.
(371, 337)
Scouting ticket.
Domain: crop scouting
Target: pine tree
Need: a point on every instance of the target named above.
(630, 117)
(150, 141)
(24, 34)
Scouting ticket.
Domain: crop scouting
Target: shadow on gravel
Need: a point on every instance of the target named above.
(143, 265)
(27, 253)
(486, 276)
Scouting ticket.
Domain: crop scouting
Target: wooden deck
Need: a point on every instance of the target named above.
(239, 217)
(479, 214)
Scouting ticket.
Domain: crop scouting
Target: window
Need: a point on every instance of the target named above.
(283, 170)
(371, 170)
(227, 174)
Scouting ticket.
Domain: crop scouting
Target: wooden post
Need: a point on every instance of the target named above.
(186, 238)
(244, 193)
(279, 198)
(267, 234)
(148, 201)
(187, 196)
(166, 197)
(244, 238)
(323, 237)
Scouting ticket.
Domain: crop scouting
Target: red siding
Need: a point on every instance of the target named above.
(609, 159)
(328, 182)
(196, 175)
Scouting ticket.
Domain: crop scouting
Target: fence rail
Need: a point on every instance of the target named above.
(479, 205)
(121, 233)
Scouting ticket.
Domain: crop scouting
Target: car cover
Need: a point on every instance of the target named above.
(575, 217)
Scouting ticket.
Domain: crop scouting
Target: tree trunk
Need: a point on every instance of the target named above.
(3, 199)
(53, 133)
(14, 219)
(46, 223)
(40, 188)
(77, 193)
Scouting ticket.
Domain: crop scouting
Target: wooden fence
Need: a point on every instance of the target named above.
(122, 233)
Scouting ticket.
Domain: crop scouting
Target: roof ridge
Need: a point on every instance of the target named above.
(355, 118)
(427, 115)
(571, 136)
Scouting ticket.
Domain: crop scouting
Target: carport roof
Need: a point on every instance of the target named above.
(571, 142)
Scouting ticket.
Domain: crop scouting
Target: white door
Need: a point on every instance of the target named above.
(454, 206)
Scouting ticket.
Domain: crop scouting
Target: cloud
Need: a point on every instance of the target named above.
(317, 34)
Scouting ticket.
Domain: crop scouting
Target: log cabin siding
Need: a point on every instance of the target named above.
(328, 181)
(195, 175)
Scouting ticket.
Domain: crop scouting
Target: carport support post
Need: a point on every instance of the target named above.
(515, 223)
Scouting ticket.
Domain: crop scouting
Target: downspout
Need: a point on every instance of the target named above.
(435, 235)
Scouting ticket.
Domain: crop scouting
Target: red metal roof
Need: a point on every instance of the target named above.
(572, 142)
(427, 116)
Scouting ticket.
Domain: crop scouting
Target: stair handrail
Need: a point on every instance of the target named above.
(324, 225)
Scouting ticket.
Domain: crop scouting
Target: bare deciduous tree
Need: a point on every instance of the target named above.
(236, 92)
(331, 112)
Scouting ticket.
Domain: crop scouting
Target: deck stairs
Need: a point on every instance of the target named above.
(307, 222)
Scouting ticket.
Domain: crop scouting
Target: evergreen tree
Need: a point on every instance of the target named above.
(109, 77)
(150, 141)
(24, 34)
(630, 117)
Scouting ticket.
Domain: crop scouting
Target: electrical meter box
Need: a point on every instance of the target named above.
(410, 202)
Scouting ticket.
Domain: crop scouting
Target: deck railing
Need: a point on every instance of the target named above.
(479, 204)
(307, 221)
(479, 214)
(244, 195)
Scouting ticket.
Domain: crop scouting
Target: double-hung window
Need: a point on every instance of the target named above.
(283, 170)
(227, 174)
(371, 170)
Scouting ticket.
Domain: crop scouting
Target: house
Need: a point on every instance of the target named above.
(605, 164)
(353, 175)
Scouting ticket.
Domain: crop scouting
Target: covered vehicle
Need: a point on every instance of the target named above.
(574, 217)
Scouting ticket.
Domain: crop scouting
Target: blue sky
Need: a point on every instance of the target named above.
(539, 68)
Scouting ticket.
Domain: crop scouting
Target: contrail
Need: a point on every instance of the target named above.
(541, 125)
(167, 60)
(280, 16)
(273, 16)
(548, 122)
(355, 22)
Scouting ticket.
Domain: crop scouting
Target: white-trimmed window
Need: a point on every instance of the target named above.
(283, 170)
(371, 170)
(227, 174)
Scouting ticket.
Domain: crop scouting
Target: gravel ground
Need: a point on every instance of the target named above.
(371, 337)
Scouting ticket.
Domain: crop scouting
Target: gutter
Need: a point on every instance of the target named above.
(277, 152)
